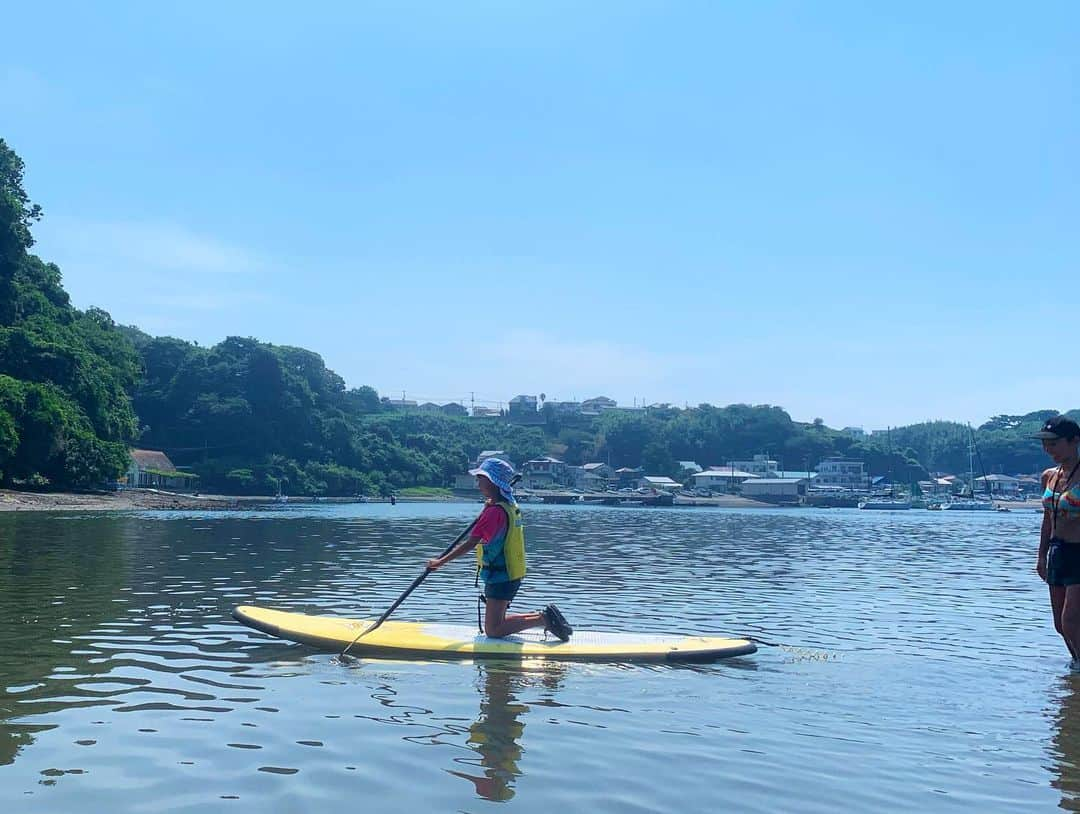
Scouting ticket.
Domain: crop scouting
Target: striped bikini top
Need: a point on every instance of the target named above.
(1067, 501)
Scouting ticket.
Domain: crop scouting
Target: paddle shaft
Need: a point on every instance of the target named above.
(416, 582)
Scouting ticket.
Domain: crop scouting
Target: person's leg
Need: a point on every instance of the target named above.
(1057, 604)
(497, 624)
(1070, 618)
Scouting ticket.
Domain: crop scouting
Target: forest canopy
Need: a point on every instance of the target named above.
(245, 416)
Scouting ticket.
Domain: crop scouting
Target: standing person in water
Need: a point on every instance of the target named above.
(499, 539)
(1059, 541)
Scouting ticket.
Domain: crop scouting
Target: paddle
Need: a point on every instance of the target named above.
(415, 582)
(407, 591)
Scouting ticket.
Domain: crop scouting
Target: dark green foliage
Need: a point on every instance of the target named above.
(65, 375)
(251, 417)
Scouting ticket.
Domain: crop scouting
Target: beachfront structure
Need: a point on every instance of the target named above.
(151, 468)
(628, 476)
(721, 480)
(844, 473)
(775, 490)
(581, 478)
(601, 470)
(761, 467)
(936, 488)
(660, 483)
(1000, 486)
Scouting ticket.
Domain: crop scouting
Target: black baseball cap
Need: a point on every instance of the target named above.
(1058, 427)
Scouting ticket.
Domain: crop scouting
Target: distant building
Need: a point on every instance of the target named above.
(430, 407)
(491, 453)
(398, 404)
(629, 476)
(522, 405)
(774, 490)
(721, 480)
(464, 482)
(660, 483)
(1030, 485)
(688, 467)
(845, 473)
(601, 470)
(762, 466)
(854, 432)
(1000, 485)
(563, 408)
(936, 488)
(544, 473)
(453, 408)
(595, 405)
(151, 468)
(486, 412)
(586, 480)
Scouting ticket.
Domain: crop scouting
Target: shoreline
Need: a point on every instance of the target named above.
(152, 499)
(12, 500)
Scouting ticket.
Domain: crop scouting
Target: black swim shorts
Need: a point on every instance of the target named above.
(1063, 563)
(508, 590)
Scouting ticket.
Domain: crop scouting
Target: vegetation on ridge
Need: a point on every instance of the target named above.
(251, 417)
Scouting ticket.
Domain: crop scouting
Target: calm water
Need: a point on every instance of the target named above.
(918, 670)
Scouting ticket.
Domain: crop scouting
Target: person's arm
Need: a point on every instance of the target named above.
(435, 563)
(1044, 534)
(487, 526)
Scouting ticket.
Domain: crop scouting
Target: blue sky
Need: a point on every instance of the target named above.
(858, 212)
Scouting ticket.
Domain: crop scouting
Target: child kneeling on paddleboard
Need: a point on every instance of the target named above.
(498, 536)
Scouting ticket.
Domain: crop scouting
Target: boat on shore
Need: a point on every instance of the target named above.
(968, 505)
(888, 504)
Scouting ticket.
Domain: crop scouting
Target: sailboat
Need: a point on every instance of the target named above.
(972, 503)
(891, 503)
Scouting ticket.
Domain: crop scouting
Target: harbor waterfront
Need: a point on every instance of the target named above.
(915, 666)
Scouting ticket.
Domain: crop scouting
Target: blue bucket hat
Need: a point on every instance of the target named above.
(499, 472)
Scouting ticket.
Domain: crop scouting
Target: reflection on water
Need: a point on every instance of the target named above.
(1065, 742)
(496, 735)
(52, 589)
(918, 665)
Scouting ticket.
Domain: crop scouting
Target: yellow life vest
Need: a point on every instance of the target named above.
(503, 557)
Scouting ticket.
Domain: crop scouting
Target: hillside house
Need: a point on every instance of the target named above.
(151, 468)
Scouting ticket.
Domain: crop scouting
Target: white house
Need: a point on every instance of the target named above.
(846, 473)
(720, 480)
(761, 466)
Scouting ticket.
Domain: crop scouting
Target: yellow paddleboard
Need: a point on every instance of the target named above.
(437, 640)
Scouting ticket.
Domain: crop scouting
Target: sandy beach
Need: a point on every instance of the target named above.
(126, 500)
(143, 499)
